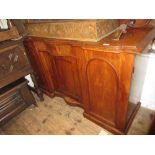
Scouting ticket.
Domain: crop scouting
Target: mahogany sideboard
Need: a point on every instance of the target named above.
(93, 75)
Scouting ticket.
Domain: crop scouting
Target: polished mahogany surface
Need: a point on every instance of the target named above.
(91, 75)
(135, 39)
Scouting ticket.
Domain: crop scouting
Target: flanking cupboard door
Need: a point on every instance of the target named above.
(42, 64)
(103, 89)
(102, 77)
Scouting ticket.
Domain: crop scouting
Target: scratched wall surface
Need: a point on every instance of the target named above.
(82, 30)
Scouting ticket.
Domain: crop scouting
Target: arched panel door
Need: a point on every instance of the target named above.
(103, 83)
(40, 60)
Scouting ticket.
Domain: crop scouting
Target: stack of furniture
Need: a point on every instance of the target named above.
(15, 95)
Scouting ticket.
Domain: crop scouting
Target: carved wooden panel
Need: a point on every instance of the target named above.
(103, 84)
(12, 60)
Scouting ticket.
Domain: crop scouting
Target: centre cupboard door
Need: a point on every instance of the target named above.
(67, 76)
(66, 70)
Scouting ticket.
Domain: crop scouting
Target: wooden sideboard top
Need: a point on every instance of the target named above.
(134, 41)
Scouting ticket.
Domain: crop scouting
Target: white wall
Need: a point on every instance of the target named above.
(143, 84)
(148, 93)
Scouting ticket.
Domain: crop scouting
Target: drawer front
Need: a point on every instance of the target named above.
(12, 60)
(60, 49)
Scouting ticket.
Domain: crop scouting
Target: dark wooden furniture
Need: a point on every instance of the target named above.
(15, 95)
(14, 98)
(95, 76)
(14, 64)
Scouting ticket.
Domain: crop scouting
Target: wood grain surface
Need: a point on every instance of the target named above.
(55, 117)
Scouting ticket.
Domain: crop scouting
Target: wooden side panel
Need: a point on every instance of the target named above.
(103, 89)
(14, 64)
(127, 66)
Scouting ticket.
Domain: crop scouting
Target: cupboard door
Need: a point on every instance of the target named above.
(33, 56)
(47, 71)
(66, 73)
(41, 61)
(67, 76)
(103, 90)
